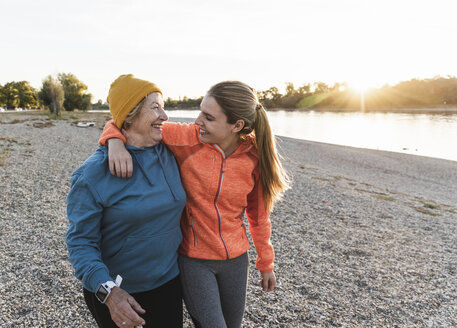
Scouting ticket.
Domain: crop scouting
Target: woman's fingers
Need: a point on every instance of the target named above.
(123, 168)
(122, 312)
(268, 281)
(129, 315)
(119, 159)
(111, 166)
(136, 306)
(129, 167)
(271, 285)
(126, 164)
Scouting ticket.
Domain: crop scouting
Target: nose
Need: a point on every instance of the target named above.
(198, 120)
(163, 115)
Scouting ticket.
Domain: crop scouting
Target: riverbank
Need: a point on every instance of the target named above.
(363, 239)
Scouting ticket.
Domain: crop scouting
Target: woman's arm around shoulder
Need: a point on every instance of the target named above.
(180, 134)
(119, 159)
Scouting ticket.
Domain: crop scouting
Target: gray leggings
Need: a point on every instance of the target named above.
(215, 291)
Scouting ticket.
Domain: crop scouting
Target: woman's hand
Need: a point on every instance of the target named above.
(124, 309)
(120, 161)
(268, 281)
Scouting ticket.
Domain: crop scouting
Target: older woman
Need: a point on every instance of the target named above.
(124, 234)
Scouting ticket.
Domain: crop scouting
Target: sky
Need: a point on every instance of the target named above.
(186, 46)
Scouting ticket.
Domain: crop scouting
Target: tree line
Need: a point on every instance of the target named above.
(67, 92)
(433, 92)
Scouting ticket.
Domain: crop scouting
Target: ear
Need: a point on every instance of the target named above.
(239, 125)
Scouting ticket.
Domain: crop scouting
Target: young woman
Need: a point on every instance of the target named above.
(229, 168)
(129, 227)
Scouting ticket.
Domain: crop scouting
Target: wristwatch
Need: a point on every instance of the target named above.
(104, 290)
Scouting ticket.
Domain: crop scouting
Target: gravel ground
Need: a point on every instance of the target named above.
(363, 239)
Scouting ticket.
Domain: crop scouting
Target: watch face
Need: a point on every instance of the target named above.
(101, 294)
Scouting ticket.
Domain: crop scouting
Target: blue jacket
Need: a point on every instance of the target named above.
(128, 227)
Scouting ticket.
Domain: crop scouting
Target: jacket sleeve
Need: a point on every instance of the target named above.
(260, 227)
(180, 134)
(84, 210)
(174, 134)
(110, 131)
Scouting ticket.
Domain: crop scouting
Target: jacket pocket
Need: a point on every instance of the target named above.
(241, 217)
(244, 230)
(190, 224)
(143, 259)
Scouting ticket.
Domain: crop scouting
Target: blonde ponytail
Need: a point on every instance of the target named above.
(239, 101)
(273, 177)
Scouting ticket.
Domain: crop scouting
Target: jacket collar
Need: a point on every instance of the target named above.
(247, 145)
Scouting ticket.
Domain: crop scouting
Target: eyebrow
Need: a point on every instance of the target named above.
(208, 114)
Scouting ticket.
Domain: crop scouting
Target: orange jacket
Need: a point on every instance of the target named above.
(220, 191)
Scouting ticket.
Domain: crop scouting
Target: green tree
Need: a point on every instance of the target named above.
(19, 94)
(2, 96)
(75, 91)
(51, 95)
(100, 105)
(269, 98)
(304, 90)
(171, 103)
(27, 95)
(10, 94)
(273, 94)
(291, 98)
(320, 87)
(290, 90)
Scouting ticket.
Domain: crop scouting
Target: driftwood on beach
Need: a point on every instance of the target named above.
(363, 239)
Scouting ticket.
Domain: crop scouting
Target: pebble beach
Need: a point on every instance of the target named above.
(364, 238)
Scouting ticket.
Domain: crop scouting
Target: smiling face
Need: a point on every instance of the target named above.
(146, 128)
(214, 127)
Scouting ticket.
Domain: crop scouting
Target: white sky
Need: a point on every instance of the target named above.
(185, 46)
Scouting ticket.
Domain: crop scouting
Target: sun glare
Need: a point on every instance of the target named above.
(362, 83)
(359, 86)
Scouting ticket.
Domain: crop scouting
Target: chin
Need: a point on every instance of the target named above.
(157, 138)
(204, 138)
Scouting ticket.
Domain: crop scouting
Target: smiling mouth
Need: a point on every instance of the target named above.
(157, 126)
(203, 132)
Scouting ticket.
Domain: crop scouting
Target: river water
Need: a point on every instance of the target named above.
(432, 135)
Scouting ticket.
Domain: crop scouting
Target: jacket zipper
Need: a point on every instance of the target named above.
(217, 197)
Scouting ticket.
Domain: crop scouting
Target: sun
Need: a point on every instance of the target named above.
(361, 84)
(358, 87)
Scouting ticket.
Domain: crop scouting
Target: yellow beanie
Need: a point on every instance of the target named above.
(125, 93)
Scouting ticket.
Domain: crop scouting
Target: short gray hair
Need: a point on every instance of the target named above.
(133, 113)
